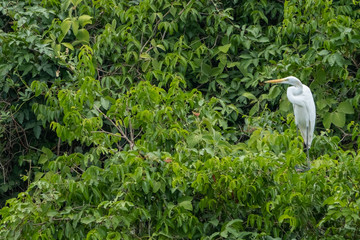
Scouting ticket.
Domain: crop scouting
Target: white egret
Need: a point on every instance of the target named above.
(304, 109)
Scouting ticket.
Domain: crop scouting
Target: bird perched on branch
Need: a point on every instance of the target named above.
(304, 110)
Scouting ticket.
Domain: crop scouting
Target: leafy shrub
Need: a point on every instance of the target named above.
(163, 127)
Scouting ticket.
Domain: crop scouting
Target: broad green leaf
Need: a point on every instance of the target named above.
(339, 59)
(57, 49)
(249, 95)
(323, 52)
(263, 39)
(338, 118)
(87, 220)
(37, 131)
(68, 45)
(246, 44)
(52, 213)
(187, 205)
(206, 69)
(83, 35)
(216, 71)
(84, 19)
(105, 103)
(331, 59)
(145, 186)
(65, 26)
(194, 139)
(225, 48)
(38, 176)
(75, 27)
(145, 56)
(327, 120)
(319, 79)
(345, 107)
(156, 186)
(285, 106)
(145, 65)
(138, 173)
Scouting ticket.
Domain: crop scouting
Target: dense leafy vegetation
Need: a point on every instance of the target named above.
(150, 119)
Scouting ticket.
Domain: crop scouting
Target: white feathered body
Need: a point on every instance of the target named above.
(304, 110)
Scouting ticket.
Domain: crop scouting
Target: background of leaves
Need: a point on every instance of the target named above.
(149, 119)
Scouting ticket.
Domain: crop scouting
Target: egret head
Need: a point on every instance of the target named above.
(288, 80)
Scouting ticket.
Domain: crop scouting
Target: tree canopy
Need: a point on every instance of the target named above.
(149, 119)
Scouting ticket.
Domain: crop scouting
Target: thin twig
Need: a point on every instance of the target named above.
(184, 8)
(123, 135)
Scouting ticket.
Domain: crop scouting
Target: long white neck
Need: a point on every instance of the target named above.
(293, 92)
(297, 89)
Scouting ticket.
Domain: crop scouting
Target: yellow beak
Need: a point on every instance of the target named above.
(276, 80)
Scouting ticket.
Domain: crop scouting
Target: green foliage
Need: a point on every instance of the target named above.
(149, 119)
(246, 190)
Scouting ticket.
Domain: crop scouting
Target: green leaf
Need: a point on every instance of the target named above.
(75, 27)
(57, 49)
(274, 92)
(327, 120)
(285, 106)
(338, 118)
(68, 45)
(254, 109)
(65, 26)
(51, 213)
(263, 39)
(225, 48)
(145, 186)
(84, 19)
(339, 59)
(206, 69)
(83, 35)
(283, 217)
(145, 56)
(37, 131)
(187, 205)
(321, 103)
(249, 95)
(138, 173)
(216, 71)
(331, 59)
(145, 66)
(156, 186)
(88, 219)
(323, 52)
(246, 44)
(20, 116)
(319, 78)
(105, 103)
(345, 107)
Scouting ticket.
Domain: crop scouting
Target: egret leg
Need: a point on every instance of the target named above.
(300, 168)
(307, 147)
(297, 132)
(307, 157)
(297, 167)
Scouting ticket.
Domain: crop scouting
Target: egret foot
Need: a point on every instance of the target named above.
(300, 168)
